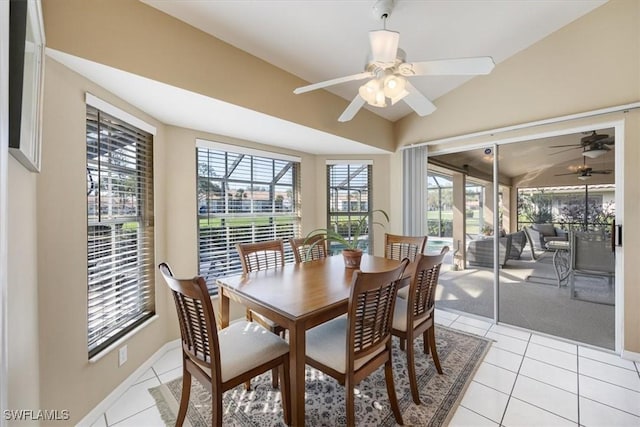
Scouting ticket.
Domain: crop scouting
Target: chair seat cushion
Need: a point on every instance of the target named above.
(400, 316)
(246, 345)
(327, 344)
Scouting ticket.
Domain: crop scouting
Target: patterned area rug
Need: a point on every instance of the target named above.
(460, 355)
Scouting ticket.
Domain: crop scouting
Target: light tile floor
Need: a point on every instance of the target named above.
(525, 380)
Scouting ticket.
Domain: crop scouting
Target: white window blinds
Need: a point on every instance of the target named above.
(348, 199)
(120, 244)
(243, 197)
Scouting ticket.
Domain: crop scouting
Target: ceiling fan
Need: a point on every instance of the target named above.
(387, 71)
(593, 145)
(584, 172)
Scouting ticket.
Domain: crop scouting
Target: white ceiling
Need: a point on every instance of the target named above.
(319, 40)
(322, 39)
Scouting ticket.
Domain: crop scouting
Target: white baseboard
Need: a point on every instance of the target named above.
(630, 355)
(102, 407)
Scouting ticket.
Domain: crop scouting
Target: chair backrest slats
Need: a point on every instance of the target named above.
(371, 310)
(198, 330)
(309, 249)
(400, 247)
(261, 255)
(424, 282)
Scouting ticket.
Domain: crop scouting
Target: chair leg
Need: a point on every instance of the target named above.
(391, 391)
(411, 366)
(247, 385)
(184, 398)
(285, 390)
(274, 378)
(434, 351)
(216, 408)
(351, 407)
(402, 344)
(425, 342)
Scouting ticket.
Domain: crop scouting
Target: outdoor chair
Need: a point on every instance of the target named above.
(308, 249)
(539, 235)
(591, 255)
(480, 251)
(350, 348)
(221, 360)
(256, 257)
(414, 316)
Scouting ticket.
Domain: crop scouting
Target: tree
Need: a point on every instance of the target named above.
(535, 208)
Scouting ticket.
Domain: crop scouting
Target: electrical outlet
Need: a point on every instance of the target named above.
(122, 355)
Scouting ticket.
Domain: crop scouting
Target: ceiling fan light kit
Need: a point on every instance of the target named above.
(388, 72)
(384, 46)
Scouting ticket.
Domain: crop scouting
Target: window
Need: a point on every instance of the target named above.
(348, 199)
(120, 244)
(243, 196)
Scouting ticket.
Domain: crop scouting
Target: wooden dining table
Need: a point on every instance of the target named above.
(297, 297)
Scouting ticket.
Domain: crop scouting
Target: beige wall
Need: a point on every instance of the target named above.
(590, 64)
(58, 323)
(23, 357)
(67, 379)
(167, 50)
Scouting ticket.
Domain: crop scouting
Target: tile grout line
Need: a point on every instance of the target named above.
(504, 413)
(578, 380)
(486, 418)
(610, 383)
(610, 364)
(612, 407)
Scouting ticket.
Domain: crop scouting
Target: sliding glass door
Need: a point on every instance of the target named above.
(460, 214)
(536, 250)
(563, 283)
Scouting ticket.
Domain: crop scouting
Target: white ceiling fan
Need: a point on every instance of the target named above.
(387, 72)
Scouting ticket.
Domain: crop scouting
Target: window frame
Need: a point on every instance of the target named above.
(283, 223)
(334, 247)
(120, 241)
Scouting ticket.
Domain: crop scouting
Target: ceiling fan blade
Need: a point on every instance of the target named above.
(568, 173)
(603, 172)
(420, 104)
(332, 82)
(352, 109)
(461, 66)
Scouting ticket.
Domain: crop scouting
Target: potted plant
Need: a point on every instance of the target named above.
(352, 252)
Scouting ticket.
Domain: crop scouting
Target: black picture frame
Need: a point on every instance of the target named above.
(26, 72)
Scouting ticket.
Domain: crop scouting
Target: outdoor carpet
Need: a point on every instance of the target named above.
(460, 355)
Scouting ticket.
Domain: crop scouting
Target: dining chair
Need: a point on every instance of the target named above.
(256, 257)
(224, 359)
(350, 348)
(308, 249)
(414, 315)
(399, 247)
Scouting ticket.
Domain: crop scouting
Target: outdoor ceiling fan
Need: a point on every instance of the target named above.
(388, 71)
(584, 172)
(593, 145)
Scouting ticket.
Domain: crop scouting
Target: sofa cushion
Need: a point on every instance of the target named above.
(545, 229)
